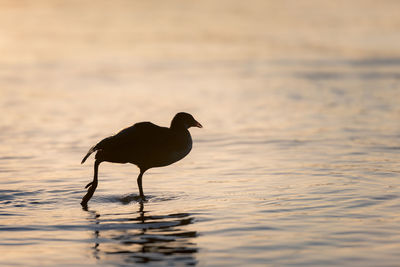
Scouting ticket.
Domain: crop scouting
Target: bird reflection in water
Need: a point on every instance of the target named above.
(144, 238)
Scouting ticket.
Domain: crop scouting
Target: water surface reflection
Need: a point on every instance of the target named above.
(140, 237)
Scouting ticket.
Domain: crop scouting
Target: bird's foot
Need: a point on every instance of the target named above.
(92, 187)
(84, 206)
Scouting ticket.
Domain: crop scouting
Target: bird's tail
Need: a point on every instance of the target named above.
(91, 150)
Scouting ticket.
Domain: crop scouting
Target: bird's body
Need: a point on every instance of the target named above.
(146, 145)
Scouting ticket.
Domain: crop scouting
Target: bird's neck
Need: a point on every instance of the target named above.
(181, 131)
(177, 126)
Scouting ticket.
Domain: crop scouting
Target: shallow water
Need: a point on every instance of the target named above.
(297, 163)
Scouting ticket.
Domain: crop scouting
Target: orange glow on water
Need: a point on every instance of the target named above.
(297, 162)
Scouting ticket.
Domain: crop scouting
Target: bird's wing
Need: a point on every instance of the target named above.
(143, 135)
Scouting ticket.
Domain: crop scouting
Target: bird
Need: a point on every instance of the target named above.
(145, 145)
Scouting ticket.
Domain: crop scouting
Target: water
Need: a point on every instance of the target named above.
(297, 163)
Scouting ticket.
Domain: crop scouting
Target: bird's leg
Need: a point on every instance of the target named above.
(139, 182)
(92, 185)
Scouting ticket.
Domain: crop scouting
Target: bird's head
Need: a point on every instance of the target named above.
(184, 120)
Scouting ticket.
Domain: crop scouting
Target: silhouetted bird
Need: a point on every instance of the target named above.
(146, 145)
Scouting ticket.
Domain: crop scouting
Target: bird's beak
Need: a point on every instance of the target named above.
(197, 124)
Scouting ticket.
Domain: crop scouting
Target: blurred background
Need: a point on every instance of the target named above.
(297, 162)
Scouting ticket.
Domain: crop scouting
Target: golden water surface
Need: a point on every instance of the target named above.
(297, 163)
